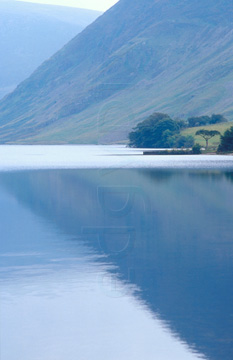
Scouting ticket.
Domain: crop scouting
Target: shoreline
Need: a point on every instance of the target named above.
(39, 157)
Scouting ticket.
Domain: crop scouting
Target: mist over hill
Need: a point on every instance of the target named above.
(31, 33)
(173, 56)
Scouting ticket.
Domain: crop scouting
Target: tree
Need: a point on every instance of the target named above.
(183, 124)
(178, 140)
(217, 118)
(206, 120)
(198, 121)
(184, 141)
(226, 143)
(196, 150)
(154, 131)
(207, 134)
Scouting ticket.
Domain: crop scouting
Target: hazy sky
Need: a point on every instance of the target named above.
(101, 5)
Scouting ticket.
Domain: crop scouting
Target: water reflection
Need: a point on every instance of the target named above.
(161, 239)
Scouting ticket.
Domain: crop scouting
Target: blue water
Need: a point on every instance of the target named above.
(116, 264)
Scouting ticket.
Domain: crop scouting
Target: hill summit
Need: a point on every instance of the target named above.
(140, 56)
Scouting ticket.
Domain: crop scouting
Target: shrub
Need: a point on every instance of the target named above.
(196, 149)
(226, 144)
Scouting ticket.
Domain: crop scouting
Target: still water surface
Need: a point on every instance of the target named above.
(116, 264)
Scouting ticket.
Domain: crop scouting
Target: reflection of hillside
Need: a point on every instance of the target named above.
(170, 233)
(158, 176)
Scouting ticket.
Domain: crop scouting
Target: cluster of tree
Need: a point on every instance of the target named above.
(159, 131)
(226, 144)
(205, 120)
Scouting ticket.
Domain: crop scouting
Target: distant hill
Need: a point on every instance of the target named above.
(173, 56)
(31, 33)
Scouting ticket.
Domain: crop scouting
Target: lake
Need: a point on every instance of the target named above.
(105, 263)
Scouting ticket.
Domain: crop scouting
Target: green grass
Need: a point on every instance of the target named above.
(214, 142)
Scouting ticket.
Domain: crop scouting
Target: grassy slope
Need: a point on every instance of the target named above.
(214, 142)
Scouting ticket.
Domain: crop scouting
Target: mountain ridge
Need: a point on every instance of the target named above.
(31, 33)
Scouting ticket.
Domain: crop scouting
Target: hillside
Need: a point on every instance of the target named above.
(213, 141)
(31, 33)
(172, 56)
